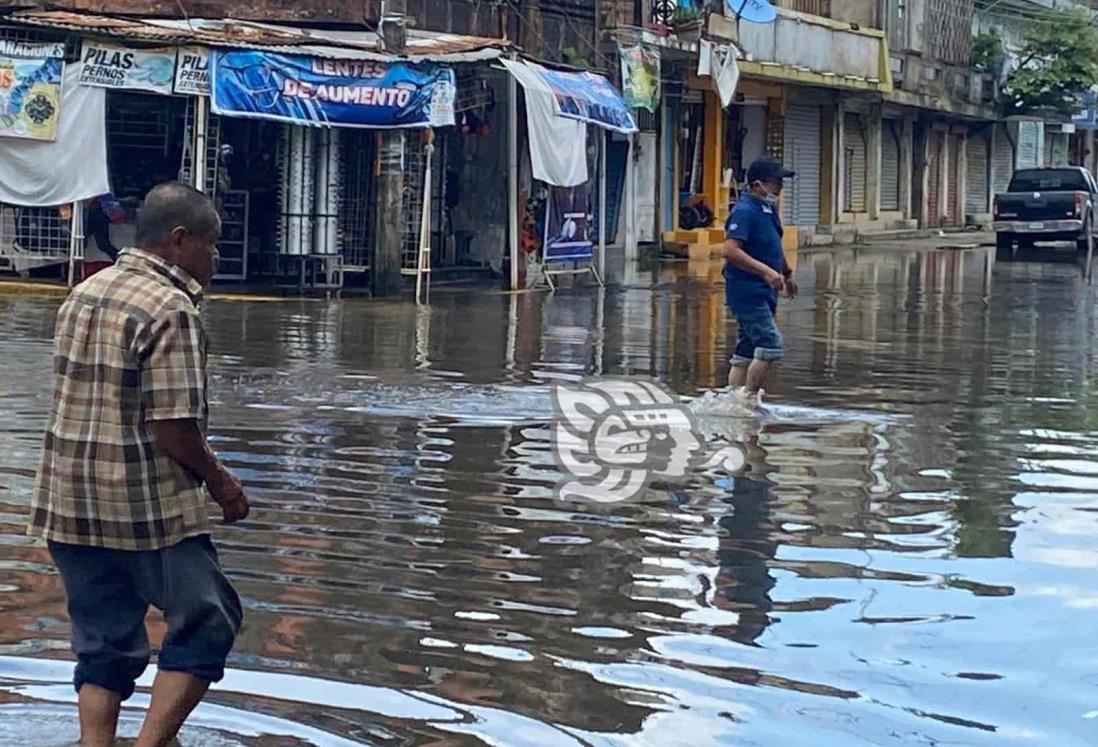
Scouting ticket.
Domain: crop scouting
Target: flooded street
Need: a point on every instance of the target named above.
(911, 560)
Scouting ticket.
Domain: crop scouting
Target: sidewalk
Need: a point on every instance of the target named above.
(942, 241)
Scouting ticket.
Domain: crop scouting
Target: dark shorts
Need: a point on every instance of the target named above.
(759, 337)
(109, 593)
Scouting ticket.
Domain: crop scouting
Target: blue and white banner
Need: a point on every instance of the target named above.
(589, 97)
(568, 225)
(111, 66)
(339, 93)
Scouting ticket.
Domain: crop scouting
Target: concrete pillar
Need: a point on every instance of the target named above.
(839, 138)
(389, 214)
(713, 157)
(873, 162)
(907, 166)
(385, 277)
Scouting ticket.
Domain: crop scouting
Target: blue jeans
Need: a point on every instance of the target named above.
(109, 593)
(759, 336)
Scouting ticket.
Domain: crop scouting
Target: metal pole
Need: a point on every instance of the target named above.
(75, 237)
(200, 116)
(602, 203)
(512, 178)
(631, 201)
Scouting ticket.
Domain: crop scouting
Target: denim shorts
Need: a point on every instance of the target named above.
(109, 593)
(759, 337)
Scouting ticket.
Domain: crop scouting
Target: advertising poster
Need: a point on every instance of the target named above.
(640, 75)
(568, 225)
(319, 91)
(110, 66)
(192, 71)
(30, 89)
(589, 97)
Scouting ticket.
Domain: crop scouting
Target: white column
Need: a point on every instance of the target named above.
(631, 202)
(512, 178)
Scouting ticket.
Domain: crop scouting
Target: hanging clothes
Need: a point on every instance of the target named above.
(558, 145)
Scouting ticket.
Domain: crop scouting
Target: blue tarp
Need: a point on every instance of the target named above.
(320, 91)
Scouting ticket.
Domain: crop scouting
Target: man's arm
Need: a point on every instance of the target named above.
(735, 254)
(182, 441)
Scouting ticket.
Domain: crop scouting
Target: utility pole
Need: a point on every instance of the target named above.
(385, 276)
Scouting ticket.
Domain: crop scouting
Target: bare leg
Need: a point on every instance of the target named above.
(174, 696)
(99, 709)
(737, 377)
(757, 374)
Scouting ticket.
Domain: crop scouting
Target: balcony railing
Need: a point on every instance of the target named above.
(813, 7)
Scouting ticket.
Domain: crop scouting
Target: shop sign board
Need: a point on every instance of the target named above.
(568, 225)
(30, 89)
(111, 66)
(192, 71)
(327, 92)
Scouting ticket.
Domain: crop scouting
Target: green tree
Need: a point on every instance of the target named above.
(987, 52)
(1059, 62)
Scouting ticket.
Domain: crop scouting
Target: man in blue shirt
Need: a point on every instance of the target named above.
(756, 273)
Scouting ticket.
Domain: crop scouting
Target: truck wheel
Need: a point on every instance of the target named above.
(1004, 246)
(1086, 238)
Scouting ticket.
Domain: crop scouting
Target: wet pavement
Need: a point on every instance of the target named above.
(911, 560)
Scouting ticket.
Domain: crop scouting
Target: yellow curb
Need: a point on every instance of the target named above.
(23, 288)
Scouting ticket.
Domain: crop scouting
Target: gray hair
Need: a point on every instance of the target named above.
(171, 205)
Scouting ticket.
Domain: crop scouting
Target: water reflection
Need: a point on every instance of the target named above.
(911, 550)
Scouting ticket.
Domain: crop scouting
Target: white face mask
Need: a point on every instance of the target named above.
(769, 198)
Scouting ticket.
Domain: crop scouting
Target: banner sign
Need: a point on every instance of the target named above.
(319, 91)
(30, 89)
(589, 97)
(110, 66)
(640, 76)
(192, 71)
(568, 225)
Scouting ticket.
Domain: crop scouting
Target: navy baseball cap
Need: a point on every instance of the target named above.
(767, 169)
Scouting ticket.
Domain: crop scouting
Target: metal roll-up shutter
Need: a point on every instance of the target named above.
(891, 132)
(854, 148)
(1002, 159)
(1030, 135)
(934, 179)
(976, 168)
(803, 155)
(956, 173)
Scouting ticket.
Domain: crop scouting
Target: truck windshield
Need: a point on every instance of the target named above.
(1048, 180)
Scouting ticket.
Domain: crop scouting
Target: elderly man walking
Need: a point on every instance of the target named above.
(122, 489)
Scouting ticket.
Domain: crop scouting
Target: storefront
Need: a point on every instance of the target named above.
(284, 139)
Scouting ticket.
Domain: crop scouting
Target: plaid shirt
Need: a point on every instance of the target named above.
(129, 349)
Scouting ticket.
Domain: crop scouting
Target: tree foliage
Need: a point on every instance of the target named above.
(988, 53)
(1059, 62)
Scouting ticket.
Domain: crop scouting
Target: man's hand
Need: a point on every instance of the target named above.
(775, 280)
(228, 493)
(791, 288)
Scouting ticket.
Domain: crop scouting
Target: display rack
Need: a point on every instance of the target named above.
(233, 245)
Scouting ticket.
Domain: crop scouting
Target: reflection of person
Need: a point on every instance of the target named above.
(101, 212)
(755, 273)
(122, 487)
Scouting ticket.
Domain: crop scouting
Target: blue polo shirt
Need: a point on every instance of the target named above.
(759, 228)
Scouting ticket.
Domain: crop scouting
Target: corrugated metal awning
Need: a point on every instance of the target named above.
(355, 45)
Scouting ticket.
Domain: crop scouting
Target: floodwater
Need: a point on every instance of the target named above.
(911, 559)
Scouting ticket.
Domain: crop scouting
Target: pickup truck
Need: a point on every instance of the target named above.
(1052, 204)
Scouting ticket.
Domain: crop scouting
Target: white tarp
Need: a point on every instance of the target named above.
(558, 145)
(74, 166)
